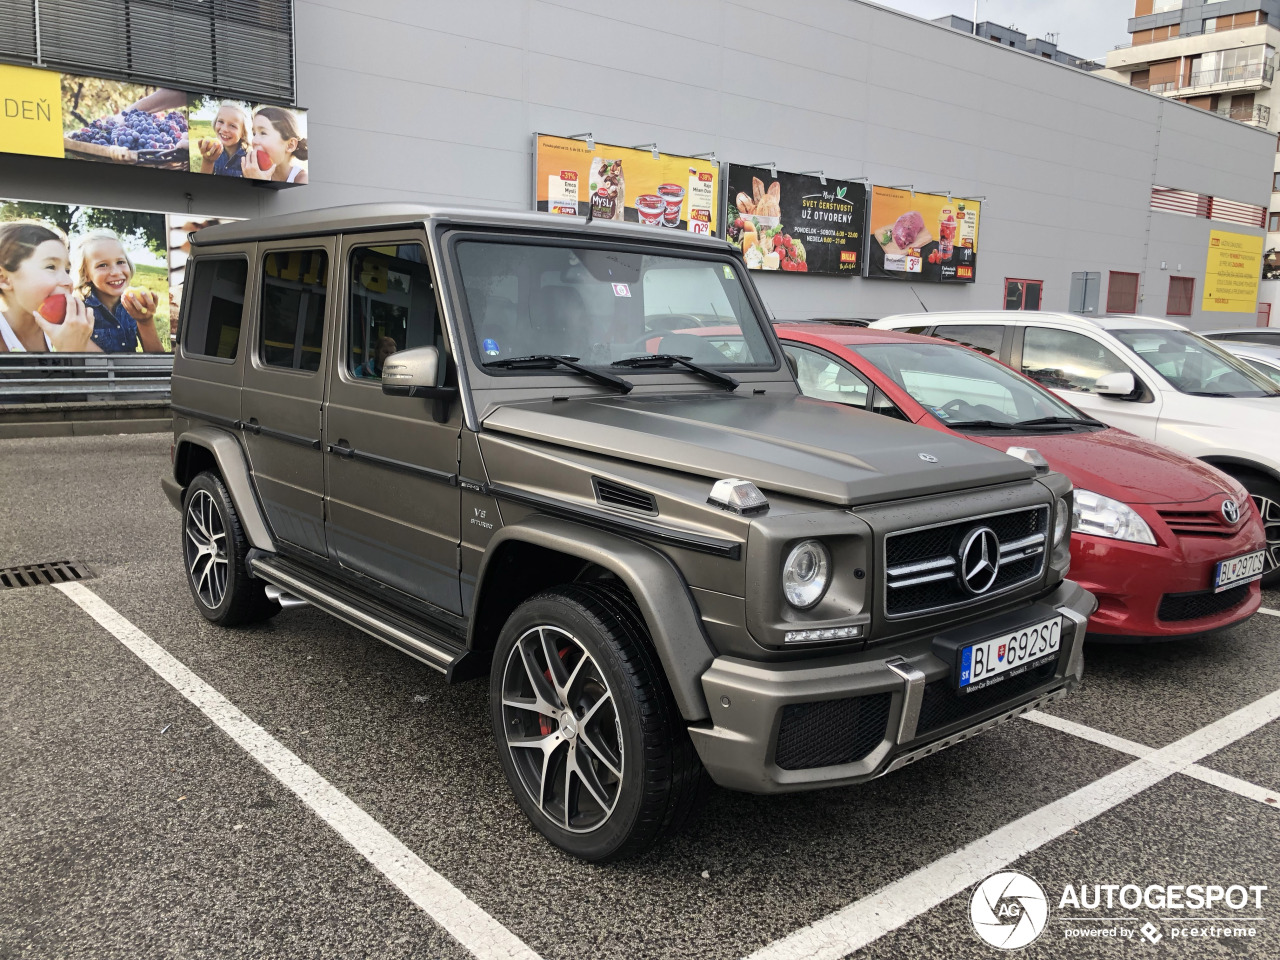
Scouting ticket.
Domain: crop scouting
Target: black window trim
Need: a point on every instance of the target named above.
(188, 291)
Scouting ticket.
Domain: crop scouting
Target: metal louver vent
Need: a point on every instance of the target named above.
(42, 574)
(613, 494)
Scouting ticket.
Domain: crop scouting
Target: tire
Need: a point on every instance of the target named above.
(1266, 496)
(622, 773)
(213, 550)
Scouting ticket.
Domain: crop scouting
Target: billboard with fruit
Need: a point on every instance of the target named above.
(922, 236)
(78, 279)
(796, 222)
(581, 177)
(110, 121)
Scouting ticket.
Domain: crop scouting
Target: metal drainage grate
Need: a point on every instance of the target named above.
(42, 574)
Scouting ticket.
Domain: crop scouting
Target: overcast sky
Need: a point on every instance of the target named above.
(1085, 28)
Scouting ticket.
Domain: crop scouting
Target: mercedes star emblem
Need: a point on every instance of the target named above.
(979, 560)
(1230, 511)
(928, 458)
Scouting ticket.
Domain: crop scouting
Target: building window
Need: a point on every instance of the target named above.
(1181, 290)
(1273, 222)
(234, 49)
(1122, 293)
(1275, 182)
(1022, 294)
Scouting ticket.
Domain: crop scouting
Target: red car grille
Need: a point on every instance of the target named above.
(1198, 523)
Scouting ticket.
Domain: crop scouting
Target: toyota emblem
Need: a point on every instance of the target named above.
(928, 458)
(1230, 512)
(979, 560)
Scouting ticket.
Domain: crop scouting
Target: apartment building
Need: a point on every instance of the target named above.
(1220, 57)
(1046, 47)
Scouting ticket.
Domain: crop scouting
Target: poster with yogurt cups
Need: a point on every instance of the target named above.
(576, 177)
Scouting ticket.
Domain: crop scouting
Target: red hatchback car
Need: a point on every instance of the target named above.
(1155, 533)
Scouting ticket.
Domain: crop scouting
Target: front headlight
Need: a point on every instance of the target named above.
(806, 574)
(1061, 522)
(1100, 516)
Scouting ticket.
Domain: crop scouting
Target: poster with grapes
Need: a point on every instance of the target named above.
(115, 122)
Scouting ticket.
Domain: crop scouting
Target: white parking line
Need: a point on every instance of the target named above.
(478, 932)
(1204, 774)
(896, 904)
(1274, 613)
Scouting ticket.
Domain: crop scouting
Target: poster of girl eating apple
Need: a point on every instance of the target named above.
(232, 138)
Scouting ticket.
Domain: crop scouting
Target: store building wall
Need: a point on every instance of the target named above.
(436, 102)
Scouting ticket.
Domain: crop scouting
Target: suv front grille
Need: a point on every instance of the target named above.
(831, 732)
(922, 566)
(1176, 607)
(942, 705)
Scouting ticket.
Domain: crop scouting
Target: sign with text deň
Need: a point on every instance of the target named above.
(576, 177)
(794, 222)
(1231, 272)
(923, 237)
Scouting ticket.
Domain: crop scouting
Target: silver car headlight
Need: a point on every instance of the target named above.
(1100, 516)
(806, 574)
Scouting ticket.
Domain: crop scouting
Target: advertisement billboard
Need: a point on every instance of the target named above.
(1231, 272)
(922, 236)
(79, 279)
(795, 223)
(578, 177)
(74, 117)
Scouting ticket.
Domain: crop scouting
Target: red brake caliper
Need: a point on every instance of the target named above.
(544, 723)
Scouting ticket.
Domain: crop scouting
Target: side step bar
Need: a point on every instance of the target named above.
(455, 662)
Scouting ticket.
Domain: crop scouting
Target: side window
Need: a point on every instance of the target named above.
(984, 339)
(886, 408)
(391, 306)
(824, 378)
(215, 306)
(917, 329)
(1065, 360)
(291, 331)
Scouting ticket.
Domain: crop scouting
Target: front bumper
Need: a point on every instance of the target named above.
(880, 714)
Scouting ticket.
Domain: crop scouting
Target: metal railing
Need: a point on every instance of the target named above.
(59, 377)
(1241, 72)
(1257, 113)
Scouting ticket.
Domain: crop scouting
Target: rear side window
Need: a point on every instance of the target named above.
(291, 332)
(215, 307)
(984, 339)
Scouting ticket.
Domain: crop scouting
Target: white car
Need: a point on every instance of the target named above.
(1263, 357)
(1151, 377)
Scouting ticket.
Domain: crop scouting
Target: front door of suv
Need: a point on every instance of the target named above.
(1069, 362)
(392, 499)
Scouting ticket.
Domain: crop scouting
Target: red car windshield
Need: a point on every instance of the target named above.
(964, 389)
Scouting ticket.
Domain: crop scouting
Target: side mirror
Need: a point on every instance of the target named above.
(417, 373)
(1115, 385)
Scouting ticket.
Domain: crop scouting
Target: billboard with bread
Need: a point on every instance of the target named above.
(73, 117)
(924, 237)
(580, 177)
(795, 222)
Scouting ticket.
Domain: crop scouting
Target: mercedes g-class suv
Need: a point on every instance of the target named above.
(571, 457)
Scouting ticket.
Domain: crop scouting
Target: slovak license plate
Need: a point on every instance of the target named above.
(1012, 653)
(1238, 570)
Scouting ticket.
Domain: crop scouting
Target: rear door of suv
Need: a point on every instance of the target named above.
(392, 499)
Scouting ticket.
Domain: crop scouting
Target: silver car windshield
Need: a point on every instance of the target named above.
(599, 306)
(1195, 366)
(962, 388)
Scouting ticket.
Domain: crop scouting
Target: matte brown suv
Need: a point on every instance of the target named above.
(569, 456)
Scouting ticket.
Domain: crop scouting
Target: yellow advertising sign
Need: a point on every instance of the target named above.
(30, 111)
(1231, 272)
(923, 236)
(624, 184)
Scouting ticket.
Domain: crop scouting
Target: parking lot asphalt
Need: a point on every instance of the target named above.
(131, 824)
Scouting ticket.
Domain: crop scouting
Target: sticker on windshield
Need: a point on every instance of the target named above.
(728, 271)
(490, 347)
(621, 290)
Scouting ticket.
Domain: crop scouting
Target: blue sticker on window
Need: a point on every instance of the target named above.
(490, 347)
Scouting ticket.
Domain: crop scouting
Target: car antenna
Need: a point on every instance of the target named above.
(591, 212)
(921, 302)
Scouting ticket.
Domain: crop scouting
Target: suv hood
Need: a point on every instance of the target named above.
(1121, 466)
(789, 444)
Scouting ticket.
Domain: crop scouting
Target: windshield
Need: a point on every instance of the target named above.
(599, 306)
(1194, 366)
(961, 387)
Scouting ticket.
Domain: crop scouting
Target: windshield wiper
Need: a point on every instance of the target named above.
(1048, 421)
(545, 361)
(992, 424)
(670, 360)
(1207, 393)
